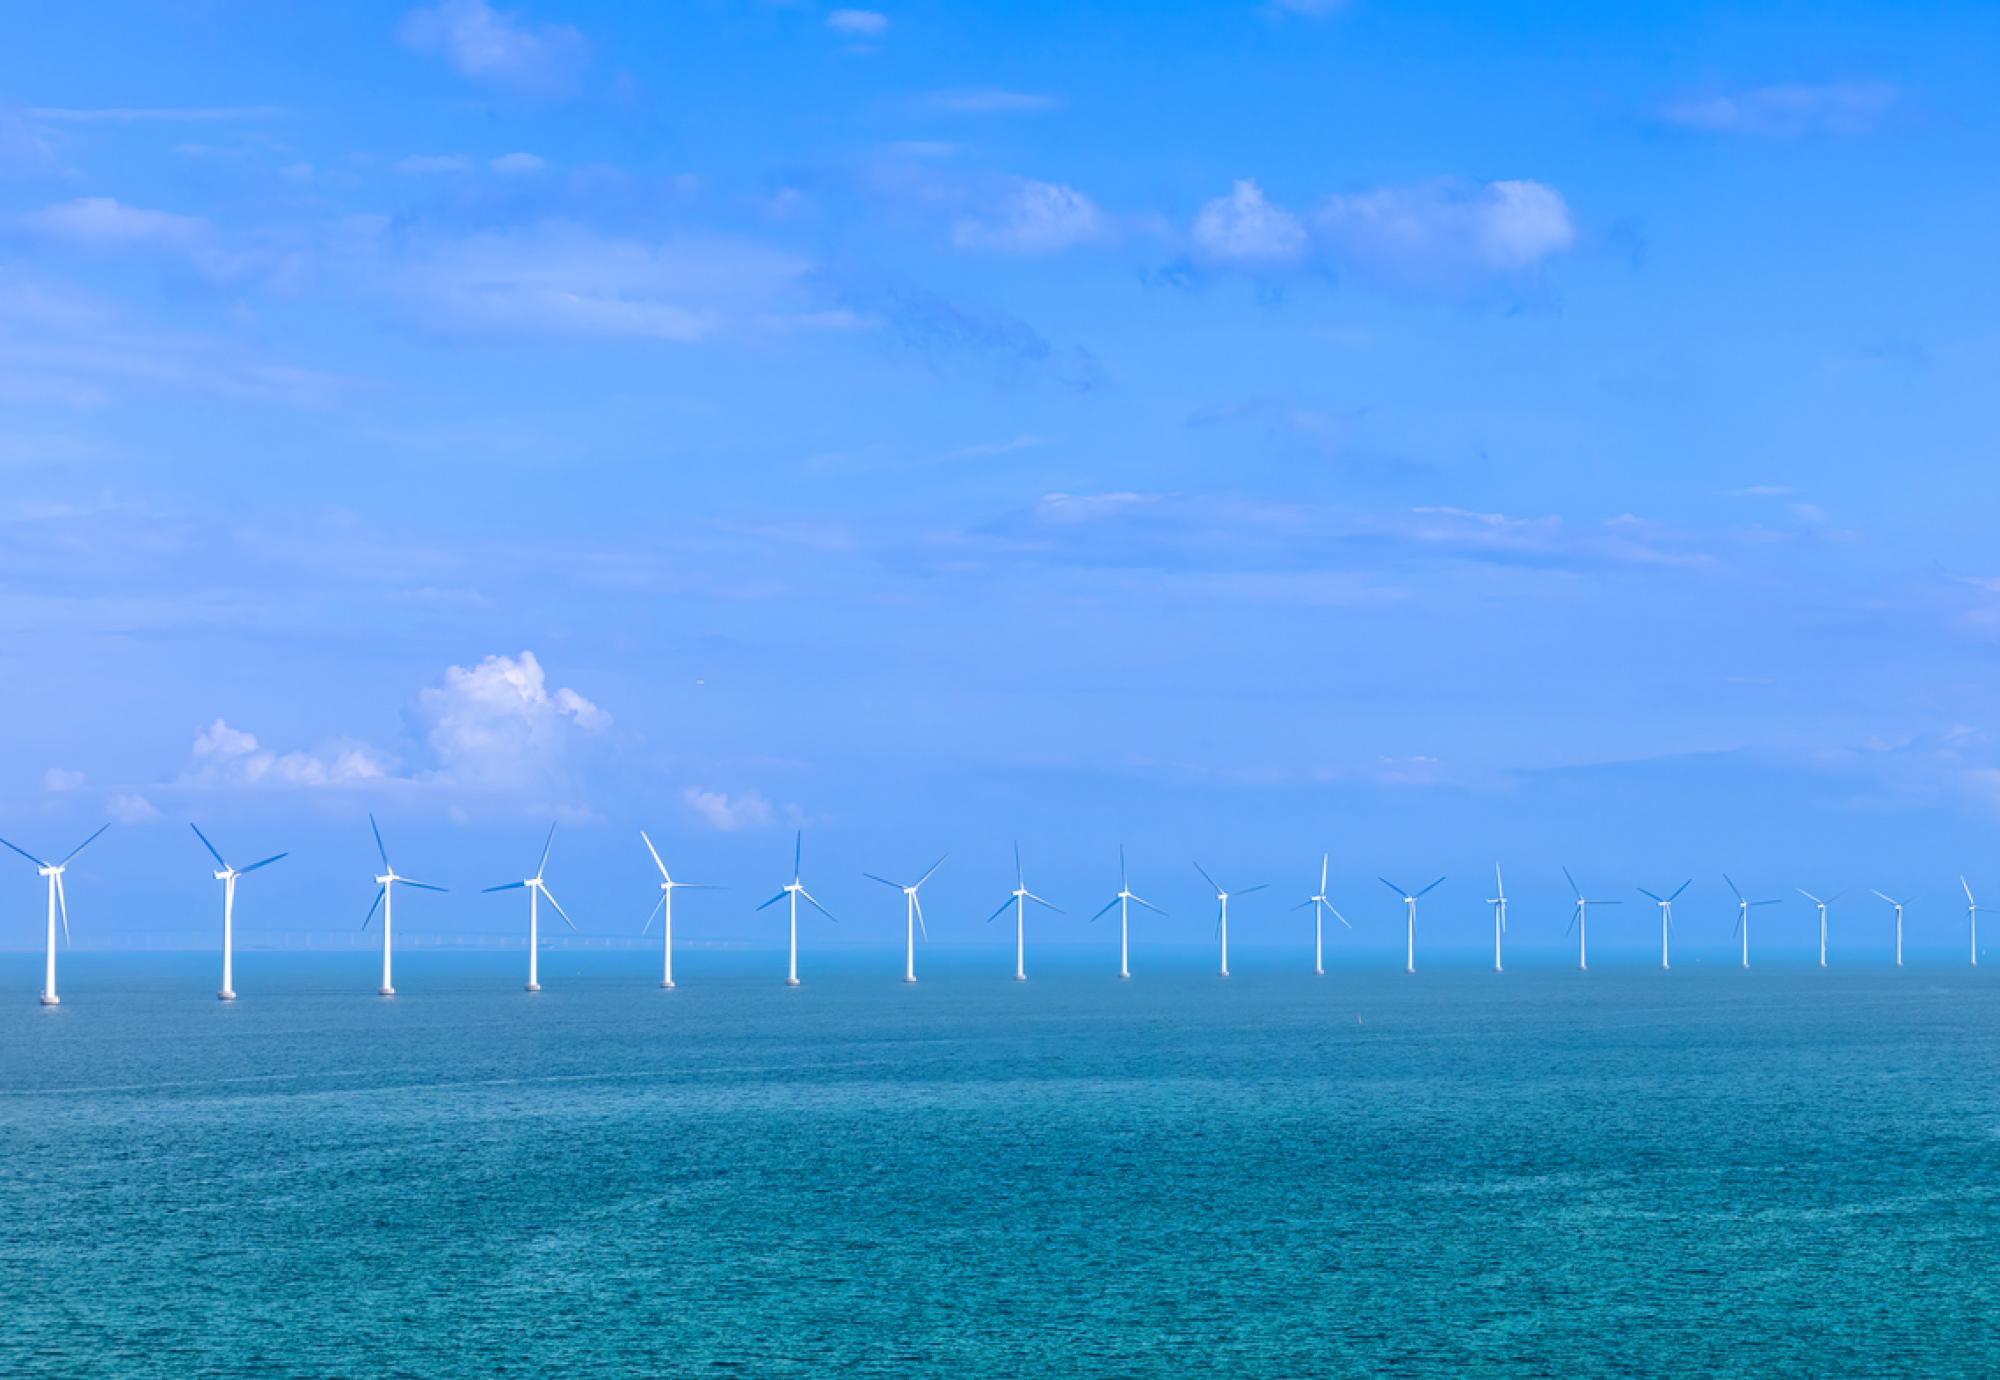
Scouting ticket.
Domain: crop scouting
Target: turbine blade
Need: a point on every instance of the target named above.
(1654, 894)
(883, 880)
(1107, 906)
(658, 906)
(209, 846)
(1732, 886)
(1144, 902)
(1961, 881)
(1050, 905)
(798, 850)
(29, 856)
(656, 856)
(817, 906)
(380, 892)
(1890, 899)
(1310, 900)
(1573, 917)
(504, 886)
(262, 862)
(1392, 886)
(1679, 889)
(547, 844)
(85, 844)
(1572, 883)
(550, 898)
(1499, 887)
(1809, 896)
(1341, 918)
(379, 847)
(772, 902)
(1322, 874)
(1005, 906)
(918, 906)
(934, 867)
(421, 886)
(62, 905)
(1248, 889)
(1765, 903)
(1206, 878)
(1018, 879)
(1432, 887)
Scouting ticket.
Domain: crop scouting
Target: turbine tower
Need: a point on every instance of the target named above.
(1410, 906)
(1321, 906)
(1123, 900)
(1666, 905)
(386, 899)
(1973, 919)
(913, 915)
(1222, 916)
(1018, 898)
(1899, 921)
(227, 876)
(794, 889)
(1498, 900)
(1822, 918)
(666, 904)
(1579, 921)
(1743, 916)
(537, 890)
(58, 903)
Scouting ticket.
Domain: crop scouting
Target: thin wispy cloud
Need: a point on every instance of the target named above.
(1031, 217)
(992, 100)
(1786, 111)
(500, 47)
(858, 23)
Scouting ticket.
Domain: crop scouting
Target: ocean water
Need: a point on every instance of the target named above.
(1706, 1172)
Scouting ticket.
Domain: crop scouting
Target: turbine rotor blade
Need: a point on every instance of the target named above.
(1206, 878)
(1679, 889)
(773, 901)
(209, 846)
(656, 856)
(547, 844)
(62, 903)
(85, 844)
(918, 906)
(1654, 894)
(1341, 918)
(1572, 883)
(1107, 906)
(658, 906)
(1047, 904)
(379, 847)
(30, 856)
(817, 906)
(934, 867)
(550, 897)
(421, 886)
(504, 886)
(1392, 886)
(262, 862)
(1432, 887)
(1732, 886)
(380, 892)
(1248, 889)
(1147, 904)
(883, 880)
(1005, 906)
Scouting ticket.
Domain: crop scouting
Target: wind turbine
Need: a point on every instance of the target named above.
(913, 915)
(1123, 900)
(386, 899)
(1498, 900)
(1822, 918)
(666, 904)
(794, 889)
(1666, 905)
(1410, 903)
(1973, 919)
(537, 890)
(1579, 921)
(1321, 906)
(227, 876)
(1222, 916)
(1743, 916)
(57, 902)
(1018, 898)
(1899, 919)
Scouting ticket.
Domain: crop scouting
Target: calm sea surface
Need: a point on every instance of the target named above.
(1542, 1174)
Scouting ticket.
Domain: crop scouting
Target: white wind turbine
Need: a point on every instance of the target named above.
(1743, 905)
(1899, 920)
(1410, 907)
(1498, 900)
(537, 890)
(227, 876)
(913, 915)
(666, 904)
(58, 903)
(1666, 905)
(1321, 906)
(1123, 900)
(1579, 921)
(1973, 919)
(1222, 915)
(386, 899)
(1018, 898)
(795, 889)
(1822, 905)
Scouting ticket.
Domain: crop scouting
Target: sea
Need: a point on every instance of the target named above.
(1542, 1173)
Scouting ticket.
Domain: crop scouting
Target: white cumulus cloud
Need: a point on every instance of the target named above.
(1245, 228)
(497, 46)
(1447, 231)
(499, 723)
(1031, 217)
(129, 807)
(729, 813)
(1786, 110)
(56, 780)
(226, 756)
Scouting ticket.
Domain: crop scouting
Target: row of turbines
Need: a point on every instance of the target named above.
(1018, 900)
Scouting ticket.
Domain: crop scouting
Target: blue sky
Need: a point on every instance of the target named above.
(1429, 433)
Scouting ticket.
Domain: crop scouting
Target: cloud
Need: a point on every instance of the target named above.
(561, 281)
(990, 100)
(498, 723)
(516, 164)
(224, 756)
(1311, 9)
(729, 814)
(858, 23)
(1031, 217)
(103, 222)
(57, 780)
(1244, 228)
(23, 150)
(1446, 231)
(129, 807)
(1786, 111)
(488, 45)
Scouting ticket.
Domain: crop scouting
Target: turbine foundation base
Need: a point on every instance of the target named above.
(791, 982)
(385, 991)
(908, 980)
(51, 1001)
(226, 994)
(533, 987)
(667, 984)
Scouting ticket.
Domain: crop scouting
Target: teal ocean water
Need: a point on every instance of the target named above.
(1541, 1174)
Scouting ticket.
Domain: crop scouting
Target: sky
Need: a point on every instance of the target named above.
(1433, 435)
